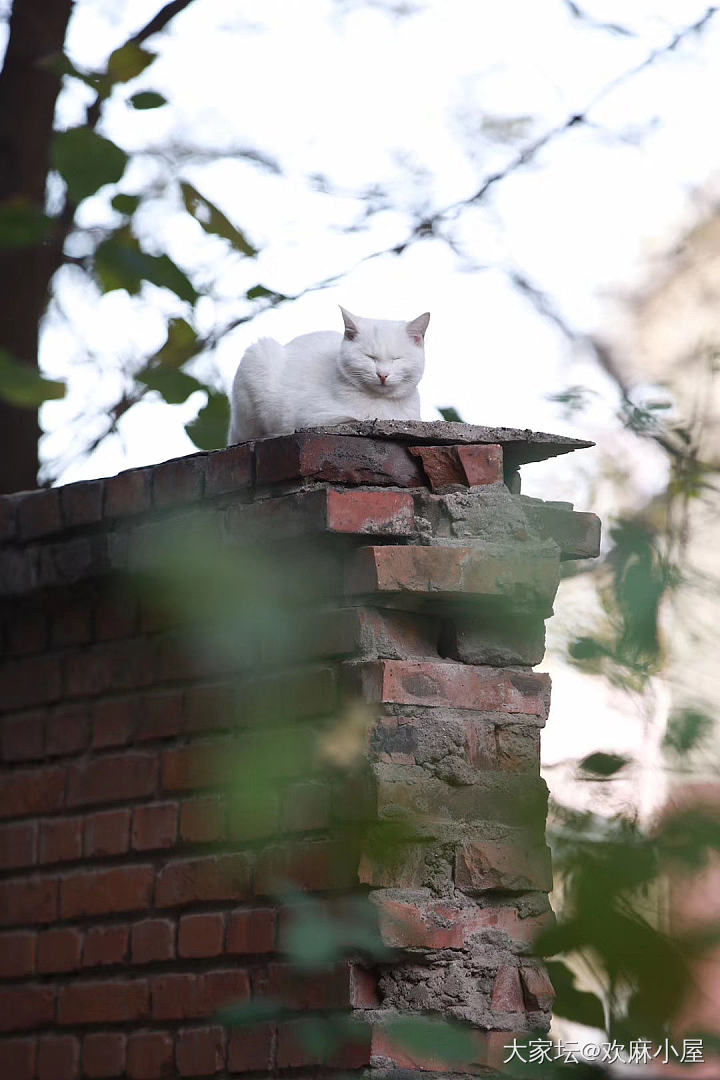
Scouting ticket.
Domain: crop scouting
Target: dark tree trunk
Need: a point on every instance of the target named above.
(28, 92)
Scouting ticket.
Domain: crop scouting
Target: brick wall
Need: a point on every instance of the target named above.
(136, 897)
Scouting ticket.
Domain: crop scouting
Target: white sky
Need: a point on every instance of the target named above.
(365, 99)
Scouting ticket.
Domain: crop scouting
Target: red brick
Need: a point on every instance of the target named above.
(154, 826)
(203, 820)
(190, 767)
(296, 1050)
(115, 778)
(306, 807)
(228, 470)
(422, 924)
(160, 715)
(178, 481)
(507, 993)
(110, 666)
(17, 955)
(102, 892)
(24, 901)
(419, 1061)
(481, 464)
(185, 996)
(17, 1057)
(116, 616)
(127, 493)
(59, 950)
(103, 1002)
(68, 730)
(336, 459)
(105, 946)
(150, 1055)
(252, 1049)
(506, 919)
(482, 866)
(152, 941)
(60, 840)
(104, 1054)
(72, 622)
(214, 877)
(17, 845)
(209, 708)
(58, 1057)
(38, 514)
(28, 632)
(107, 833)
(251, 932)
(23, 737)
(523, 583)
(31, 680)
(82, 503)
(379, 513)
(114, 722)
(344, 986)
(518, 750)
(201, 935)
(441, 466)
(221, 988)
(200, 1051)
(314, 865)
(26, 1007)
(538, 991)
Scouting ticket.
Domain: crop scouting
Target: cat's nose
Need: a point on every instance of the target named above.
(382, 378)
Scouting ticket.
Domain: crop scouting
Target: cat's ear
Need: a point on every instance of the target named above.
(416, 329)
(351, 327)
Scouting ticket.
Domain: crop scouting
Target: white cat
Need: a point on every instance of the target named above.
(372, 371)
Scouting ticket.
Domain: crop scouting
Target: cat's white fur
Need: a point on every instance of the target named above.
(371, 371)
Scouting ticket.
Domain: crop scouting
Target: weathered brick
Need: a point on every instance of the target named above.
(30, 680)
(481, 638)
(518, 866)
(149, 1055)
(22, 737)
(252, 1049)
(214, 877)
(103, 1054)
(344, 986)
(67, 730)
(58, 950)
(152, 941)
(178, 481)
(228, 470)
(441, 466)
(577, 534)
(106, 946)
(203, 820)
(58, 1057)
(101, 892)
(425, 924)
(107, 833)
(24, 901)
(23, 1008)
(32, 791)
(18, 845)
(482, 464)
(379, 513)
(60, 840)
(154, 826)
(17, 954)
(17, 1056)
(81, 503)
(127, 493)
(38, 514)
(114, 778)
(538, 991)
(201, 935)
(251, 931)
(524, 582)
(200, 1051)
(314, 865)
(336, 459)
(507, 993)
(103, 1002)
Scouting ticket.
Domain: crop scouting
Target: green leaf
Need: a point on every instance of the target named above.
(435, 1039)
(86, 161)
(573, 1004)
(22, 224)
(686, 730)
(125, 204)
(127, 62)
(251, 1012)
(214, 221)
(181, 345)
(209, 429)
(451, 414)
(174, 385)
(147, 99)
(259, 291)
(21, 384)
(603, 764)
(120, 264)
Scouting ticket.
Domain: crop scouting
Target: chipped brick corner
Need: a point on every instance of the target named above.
(132, 903)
